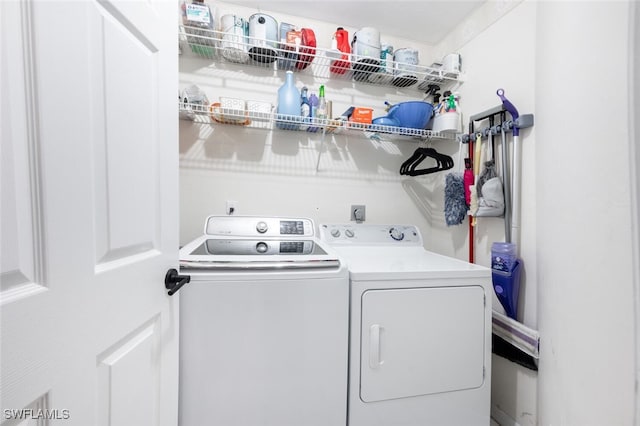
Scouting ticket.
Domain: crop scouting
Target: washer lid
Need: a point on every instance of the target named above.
(385, 263)
(211, 253)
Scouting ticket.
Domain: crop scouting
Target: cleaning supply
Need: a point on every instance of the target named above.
(199, 23)
(491, 200)
(468, 180)
(288, 111)
(322, 105)
(305, 108)
(341, 51)
(455, 205)
(489, 187)
(450, 104)
(505, 271)
(473, 206)
(313, 101)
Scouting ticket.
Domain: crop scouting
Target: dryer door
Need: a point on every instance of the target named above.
(421, 341)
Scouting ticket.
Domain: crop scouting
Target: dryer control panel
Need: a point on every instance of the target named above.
(365, 234)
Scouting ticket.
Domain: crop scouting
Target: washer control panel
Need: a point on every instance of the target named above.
(253, 226)
(365, 234)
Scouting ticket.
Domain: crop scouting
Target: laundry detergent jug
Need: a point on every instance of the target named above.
(340, 51)
(307, 48)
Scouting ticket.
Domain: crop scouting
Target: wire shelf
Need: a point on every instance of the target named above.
(319, 62)
(259, 118)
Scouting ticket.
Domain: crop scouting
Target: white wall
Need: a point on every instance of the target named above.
(500, 53)
(564, 61)
(274, 173)
(583, 214)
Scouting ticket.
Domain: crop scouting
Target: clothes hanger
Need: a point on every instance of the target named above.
(443, 162)
(416, 157)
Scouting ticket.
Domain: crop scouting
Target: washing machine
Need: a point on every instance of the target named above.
(263, 326)
(420, 330)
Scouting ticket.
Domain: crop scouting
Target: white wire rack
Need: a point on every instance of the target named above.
(319, 62)
(260, 118)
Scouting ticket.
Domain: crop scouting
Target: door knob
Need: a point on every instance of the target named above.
(174, 281)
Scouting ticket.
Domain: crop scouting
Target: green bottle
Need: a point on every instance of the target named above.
(322, 105)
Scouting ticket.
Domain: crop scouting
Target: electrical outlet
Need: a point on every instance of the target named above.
(358, 213)
(231, 207)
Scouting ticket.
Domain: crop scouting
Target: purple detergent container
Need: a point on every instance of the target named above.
(505, 271)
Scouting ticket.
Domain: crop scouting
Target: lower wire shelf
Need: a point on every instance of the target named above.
(265, 118)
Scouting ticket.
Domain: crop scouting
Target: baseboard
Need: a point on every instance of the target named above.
(502, 418)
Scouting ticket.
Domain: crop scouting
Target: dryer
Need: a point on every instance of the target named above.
(420, 330)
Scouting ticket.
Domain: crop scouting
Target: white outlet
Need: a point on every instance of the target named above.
(231, 207)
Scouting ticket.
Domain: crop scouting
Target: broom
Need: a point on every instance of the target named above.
(476, 171)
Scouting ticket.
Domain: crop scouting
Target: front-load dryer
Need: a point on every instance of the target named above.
(420, 330)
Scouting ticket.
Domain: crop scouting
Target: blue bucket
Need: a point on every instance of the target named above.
(411, 114)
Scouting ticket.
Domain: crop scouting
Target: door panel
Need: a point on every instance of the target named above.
(130, 367)
(20, 266)
(421, 341)
(89, 172)
(126, 160)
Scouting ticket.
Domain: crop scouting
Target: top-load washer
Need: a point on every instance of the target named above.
(263, 326)
(420, 330)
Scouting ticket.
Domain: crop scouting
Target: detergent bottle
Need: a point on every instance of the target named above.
(288, 111)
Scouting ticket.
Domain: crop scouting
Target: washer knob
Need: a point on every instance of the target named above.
(262, 227)
(396, 234)
(349, 233)
(335, 232)
(262, 247)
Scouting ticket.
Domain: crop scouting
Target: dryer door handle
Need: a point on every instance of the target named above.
(374, 346)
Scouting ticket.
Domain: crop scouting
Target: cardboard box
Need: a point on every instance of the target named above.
(362, 115)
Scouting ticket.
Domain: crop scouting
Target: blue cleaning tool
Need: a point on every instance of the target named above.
(505, 271)
(507, 288)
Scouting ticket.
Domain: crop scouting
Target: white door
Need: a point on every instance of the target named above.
(421, 341)
(89, 212)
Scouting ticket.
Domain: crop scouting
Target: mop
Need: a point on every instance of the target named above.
(455, 204)
(489, 187)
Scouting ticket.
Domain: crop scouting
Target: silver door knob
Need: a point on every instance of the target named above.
(262, 227)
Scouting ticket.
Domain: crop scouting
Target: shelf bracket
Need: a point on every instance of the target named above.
(324, 133)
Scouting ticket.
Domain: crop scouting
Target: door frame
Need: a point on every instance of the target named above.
(634, 166)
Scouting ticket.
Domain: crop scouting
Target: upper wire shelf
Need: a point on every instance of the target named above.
(319, 62)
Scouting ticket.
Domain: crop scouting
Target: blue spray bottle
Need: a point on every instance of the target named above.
(305, 109)
(314, 102)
